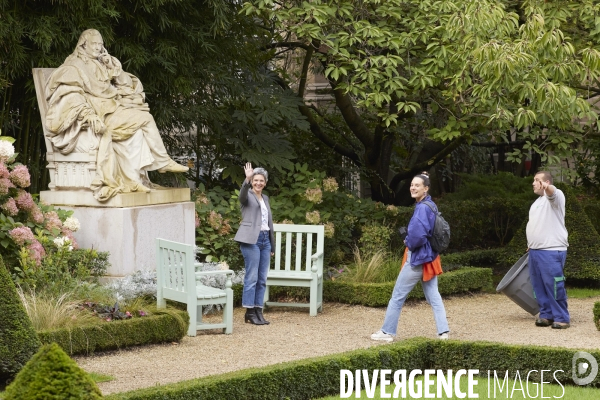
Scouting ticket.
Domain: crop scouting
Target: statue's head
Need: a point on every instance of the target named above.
(90, 43)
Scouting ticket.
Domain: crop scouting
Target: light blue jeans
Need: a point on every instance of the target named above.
(407, 279)
(256, 259)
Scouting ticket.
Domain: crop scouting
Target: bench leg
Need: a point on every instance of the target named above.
(320, 296)
(160, 301)
(266, 295)
(313, 297)
(192, 310)
(228, 312)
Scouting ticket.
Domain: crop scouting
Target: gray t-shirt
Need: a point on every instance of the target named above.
(546, 227)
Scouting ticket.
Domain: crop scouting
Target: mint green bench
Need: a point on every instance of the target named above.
(298, 262)
(178, 280)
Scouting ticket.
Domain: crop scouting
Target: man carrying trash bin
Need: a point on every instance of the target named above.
(547, 243)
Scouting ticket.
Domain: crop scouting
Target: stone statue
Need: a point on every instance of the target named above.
(90, 96)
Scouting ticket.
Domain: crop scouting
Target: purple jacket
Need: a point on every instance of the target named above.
(420, 229)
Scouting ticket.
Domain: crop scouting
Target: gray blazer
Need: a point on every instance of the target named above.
(252, 217)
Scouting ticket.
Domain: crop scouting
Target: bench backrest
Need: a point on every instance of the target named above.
(175, 272)
(296, 244)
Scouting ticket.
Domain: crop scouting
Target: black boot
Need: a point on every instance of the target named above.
(252, 317)
(261, 317)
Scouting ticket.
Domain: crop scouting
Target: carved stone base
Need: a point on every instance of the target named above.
(130, 233)
(135, 199)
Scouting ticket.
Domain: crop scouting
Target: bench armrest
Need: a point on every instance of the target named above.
(314, 259)
(222, 271)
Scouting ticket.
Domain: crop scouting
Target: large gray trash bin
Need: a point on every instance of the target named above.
(517, 286)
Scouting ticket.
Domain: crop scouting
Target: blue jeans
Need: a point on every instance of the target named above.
(256, 258)
(548, 281)
(408, 278)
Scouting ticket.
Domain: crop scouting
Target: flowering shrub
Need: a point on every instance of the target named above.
(36, 240)
(23, 222)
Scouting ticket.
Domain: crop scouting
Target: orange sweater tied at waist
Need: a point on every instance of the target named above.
(430, 269)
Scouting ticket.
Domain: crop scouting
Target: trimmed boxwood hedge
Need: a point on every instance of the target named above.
(18, 341)
(318, 377)
(51, 374)
(168, 326)
(378, 294)
(597, 314)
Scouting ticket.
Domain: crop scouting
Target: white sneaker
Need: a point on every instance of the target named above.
(379, 335)
(443, 336)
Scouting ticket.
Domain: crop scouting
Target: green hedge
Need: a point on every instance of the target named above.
(170, 326)
(482, 223)
(477, 258)
(597, 314)
(318, 377)
(18, 341)
(378, 294)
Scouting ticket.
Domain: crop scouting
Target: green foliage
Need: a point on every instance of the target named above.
(483, 186)
(52, 374)
(487, 222)
(318, 377)
(476, 258)
(597, 314)
(164, 326)
(591, 207)
(18, 341)
(379, 294)
(375, 238)
(61, 270)
(372, 267)
(486, 210)
(583, 255)
(453, 72)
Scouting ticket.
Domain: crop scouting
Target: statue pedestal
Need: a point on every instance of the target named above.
(126, 227)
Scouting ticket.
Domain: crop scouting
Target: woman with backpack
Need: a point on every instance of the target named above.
(421, 264)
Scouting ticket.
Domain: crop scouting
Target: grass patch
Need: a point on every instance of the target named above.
(101, 377)
(582, 293)
(484, 388)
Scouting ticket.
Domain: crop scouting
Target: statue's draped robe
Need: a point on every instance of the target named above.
(131, 144)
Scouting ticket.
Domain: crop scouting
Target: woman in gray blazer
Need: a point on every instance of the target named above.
(256, 239)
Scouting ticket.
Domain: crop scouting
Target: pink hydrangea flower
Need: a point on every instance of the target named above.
(5, 184)
(36, 215)
(20, 176)
(196, 220)
(20, 235)
(24, 200)
(10, 207)
(52, 221)
(36, 251)
(4, 171)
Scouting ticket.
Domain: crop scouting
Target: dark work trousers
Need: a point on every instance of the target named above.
(547, 278)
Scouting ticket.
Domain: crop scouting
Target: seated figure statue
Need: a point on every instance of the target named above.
(90, 92)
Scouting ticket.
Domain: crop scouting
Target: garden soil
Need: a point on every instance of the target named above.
(294, 335)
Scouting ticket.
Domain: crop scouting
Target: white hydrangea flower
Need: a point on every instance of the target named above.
(7, 150)
(72, 224)
(62, 242)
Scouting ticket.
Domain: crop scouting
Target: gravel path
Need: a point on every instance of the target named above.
(294, 335)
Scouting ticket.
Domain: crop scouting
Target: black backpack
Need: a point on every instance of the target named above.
(440, 236)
